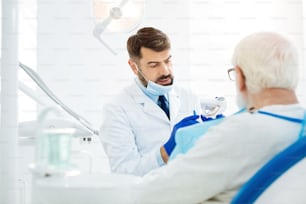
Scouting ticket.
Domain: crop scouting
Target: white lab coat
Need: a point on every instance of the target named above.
(135, 127)
(222, 160)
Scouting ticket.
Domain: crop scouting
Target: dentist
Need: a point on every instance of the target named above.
(137, 124)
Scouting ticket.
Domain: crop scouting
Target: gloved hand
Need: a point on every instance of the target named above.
(209, 118)
(170, 144)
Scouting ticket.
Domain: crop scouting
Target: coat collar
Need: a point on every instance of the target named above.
(150, 107)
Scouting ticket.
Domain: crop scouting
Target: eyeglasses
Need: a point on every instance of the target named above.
(231, 74)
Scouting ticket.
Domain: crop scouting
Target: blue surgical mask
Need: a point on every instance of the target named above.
(158, 90)
(154, 88)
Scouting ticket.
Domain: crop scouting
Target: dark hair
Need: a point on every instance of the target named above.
(147, 37)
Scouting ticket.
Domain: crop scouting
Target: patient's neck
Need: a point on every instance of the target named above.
(272, 96)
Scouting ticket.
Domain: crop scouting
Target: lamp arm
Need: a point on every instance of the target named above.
(36, 78)
(29, 92)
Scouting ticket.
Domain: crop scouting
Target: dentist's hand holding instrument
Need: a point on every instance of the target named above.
(187, 121)
(169, 146)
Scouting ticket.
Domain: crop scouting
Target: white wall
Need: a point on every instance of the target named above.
(203, 33)
(217, 26)
(79, 69)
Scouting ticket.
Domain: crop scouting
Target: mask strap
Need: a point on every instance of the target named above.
(141, 73)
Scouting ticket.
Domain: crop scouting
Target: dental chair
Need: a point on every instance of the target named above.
(280, 181)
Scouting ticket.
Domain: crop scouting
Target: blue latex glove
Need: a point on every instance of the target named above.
(209, 118)
(170, 144)
(186, 138)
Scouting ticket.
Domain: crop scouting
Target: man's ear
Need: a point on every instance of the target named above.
(240, 79)
(133, 66)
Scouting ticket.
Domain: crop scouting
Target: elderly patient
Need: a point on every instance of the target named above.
(265, 70)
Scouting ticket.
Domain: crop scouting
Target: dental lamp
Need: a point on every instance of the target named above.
(118, 17)
(36, 78)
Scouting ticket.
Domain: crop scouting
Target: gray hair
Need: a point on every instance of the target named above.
(268, 60)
